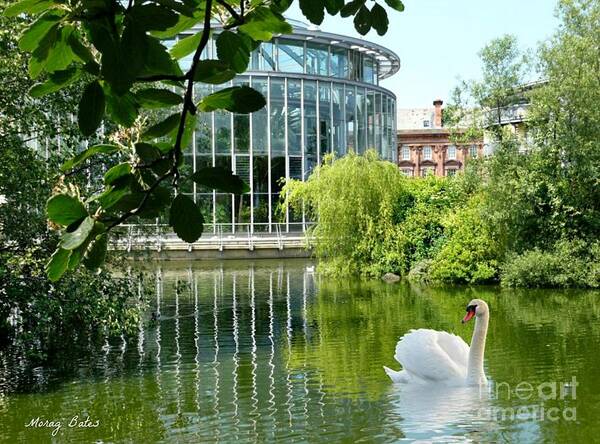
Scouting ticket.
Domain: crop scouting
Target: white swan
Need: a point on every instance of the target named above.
(429, 356)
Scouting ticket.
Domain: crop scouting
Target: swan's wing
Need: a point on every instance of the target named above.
(454, 346)
(426, 355)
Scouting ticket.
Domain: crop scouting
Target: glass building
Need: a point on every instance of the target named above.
(323, 96)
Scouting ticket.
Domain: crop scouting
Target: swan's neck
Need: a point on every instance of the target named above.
(475, 372)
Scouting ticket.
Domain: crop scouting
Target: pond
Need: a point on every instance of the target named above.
(269, 351)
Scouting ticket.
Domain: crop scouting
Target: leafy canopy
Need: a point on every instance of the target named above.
(116, 49)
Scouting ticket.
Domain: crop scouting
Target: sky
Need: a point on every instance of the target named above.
(438, 40)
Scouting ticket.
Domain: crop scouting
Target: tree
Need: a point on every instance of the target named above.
(116, 49)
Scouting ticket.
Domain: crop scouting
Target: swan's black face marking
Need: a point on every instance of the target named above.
(470, 313)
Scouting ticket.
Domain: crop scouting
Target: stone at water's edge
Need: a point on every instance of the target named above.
(390, 277)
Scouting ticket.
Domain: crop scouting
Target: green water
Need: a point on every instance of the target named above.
(268, 351)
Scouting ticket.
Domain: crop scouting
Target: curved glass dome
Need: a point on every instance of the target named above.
(322, 97)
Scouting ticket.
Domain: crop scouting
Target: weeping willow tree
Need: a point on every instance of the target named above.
(354, 200)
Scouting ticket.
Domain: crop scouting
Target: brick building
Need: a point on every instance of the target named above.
(424, 145)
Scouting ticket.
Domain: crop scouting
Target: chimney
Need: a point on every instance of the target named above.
(437, 119)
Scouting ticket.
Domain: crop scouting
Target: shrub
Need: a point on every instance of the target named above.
(571, 263)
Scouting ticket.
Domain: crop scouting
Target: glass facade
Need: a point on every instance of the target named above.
(321, 98)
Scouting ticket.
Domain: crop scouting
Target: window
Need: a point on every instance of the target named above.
(291, 56)
(317, 59)
(408, 172)
(427, 153)
(451, 152)
(426, 123)
(339, 62)
(450, 172)
(426, 171)
(405, 152)
(473, 151)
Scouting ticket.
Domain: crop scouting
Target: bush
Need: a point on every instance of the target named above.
(470, 253)
(571, 263)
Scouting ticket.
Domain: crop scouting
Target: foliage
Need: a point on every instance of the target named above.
(573, 263)
(116, 49)
(35, 314)
(471, 253)
(353, 199)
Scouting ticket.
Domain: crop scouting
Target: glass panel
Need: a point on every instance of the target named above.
(277, 172)
(242, 167)
(294, 117)
(223, 162)
(205, 202)
(370, 120)
(339, 127)
(187, 186)
(222, 132)
(360, 119)
(317, 57)
(339, 62)
(242, 211)
(277, 117)
(260, 128)
(369, 69)
(378, 122)
(350, 118)
(310, 127)
(325, 118)
(295, 167)
(261, 211)
(241, 133)
(223, 210)
(385, 146)
(355, 66)
(262, 58)
(260, 177)
(291, 55)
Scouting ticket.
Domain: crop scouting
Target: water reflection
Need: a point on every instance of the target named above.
(261, 352)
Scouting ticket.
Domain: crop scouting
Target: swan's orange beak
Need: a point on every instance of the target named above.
(468, 316)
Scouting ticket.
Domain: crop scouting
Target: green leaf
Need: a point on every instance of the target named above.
(79, 49)
(53, 53)
(27, 6)
(186, 218)
(58, 264)
(147, 152)
(395, 4)
(83, 156)
(157, 98)
(96, 255)
(183, 23)
(334, 6)
(158, 60)
(122, 109)
(237, 99)
(153, 17)
(73, 239)
(64, 210)
(129, 59)
(351, 8)
(116, 172)
(313, 10)
(220, 179)
(91, 108)
(261, 23)
(75, 257)
(232, 49)
(379, 19)
(162, 128)
(362, 20)
(56, 81)
(213, 71)
(185, 46)
(32, 37)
